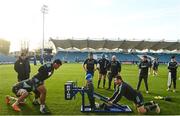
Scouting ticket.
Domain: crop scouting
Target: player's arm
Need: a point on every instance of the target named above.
(109, 66)
(84, 65)
(16, 66)
(139, 66)
(118, 96)
(113, 96)
(117, 90)
(176, 65)
(119, 67)
(28, 63)
(98, 66)
(95, 65)
(168, 66)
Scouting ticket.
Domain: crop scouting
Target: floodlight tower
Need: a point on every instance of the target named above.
(44, 10)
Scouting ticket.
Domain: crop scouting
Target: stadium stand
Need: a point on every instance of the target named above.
(78, 56)
(124, 57)
(112, 44)
(6, 59)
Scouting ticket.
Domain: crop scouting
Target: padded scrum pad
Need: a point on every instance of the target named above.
(68, 91)
(108, 109)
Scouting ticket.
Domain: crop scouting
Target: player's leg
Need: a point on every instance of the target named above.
(140, 104)
(174, 83)
(156, 71)
(142, 107)
(152, 107)
(153, 71)
(149, 103)
(9, 99)
(148, 108)
(23, 94)
(99, 80)
(36, 97)
(19, 78)
(114, 82)
(42, 91)
(110, 80)
(104, 80)
(146, 84)
(91, 99)
(150, 70)
(169, 81)
(139, 82)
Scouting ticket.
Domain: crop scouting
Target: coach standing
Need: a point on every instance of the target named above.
(22, 67)
(102, 67)
(172, 66)
(115, 68)
(143, 73)
(89, 64)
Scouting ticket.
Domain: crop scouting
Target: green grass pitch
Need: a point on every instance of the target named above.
(55, 90)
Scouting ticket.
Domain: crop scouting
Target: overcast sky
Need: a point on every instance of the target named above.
(139, 19)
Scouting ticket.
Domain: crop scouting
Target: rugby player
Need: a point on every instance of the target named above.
(89, 64)
(172, 76)
(124, 89)
(36, 84)
(102, 68)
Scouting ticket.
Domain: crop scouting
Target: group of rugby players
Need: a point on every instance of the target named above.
(105, 67)
(113, 68)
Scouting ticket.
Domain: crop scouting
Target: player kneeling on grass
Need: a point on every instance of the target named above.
(123, 89)
(36, 84)
(90, 90)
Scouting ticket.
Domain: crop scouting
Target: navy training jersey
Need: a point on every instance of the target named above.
(103, 63)
(44, 72)
(124, 90)
(172, 66)
(28, 85)
(90, 64)
(114, 67)
(144, 66)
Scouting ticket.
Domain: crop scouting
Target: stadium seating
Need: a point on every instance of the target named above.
(80, 56)
(6, 59)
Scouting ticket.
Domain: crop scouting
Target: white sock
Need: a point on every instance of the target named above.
(42, 107)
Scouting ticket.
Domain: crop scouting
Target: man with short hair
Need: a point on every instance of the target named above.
(89, 64)
(172, 76)
(22, 67)
(36, 84)
(143, 73)
(114, 69)
(102, 67)
(124, 89)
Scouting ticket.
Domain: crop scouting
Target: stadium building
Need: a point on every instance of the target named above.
(71, 50)
(4, 52)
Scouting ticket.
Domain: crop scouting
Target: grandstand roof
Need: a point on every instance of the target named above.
(112, 44)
